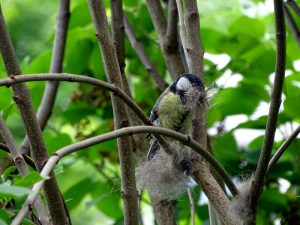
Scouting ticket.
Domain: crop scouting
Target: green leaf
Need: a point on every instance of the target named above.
(56, 140)
(4, 217)
(231, 101)
(5, 112)
(13, 191)
(259, 123)
(107, 200)
(28, 180)
(6, 102)
(212, 40)
(80, 16)
(76, 193)
(273, 200)
(40, 64)
(226, 151)
(249, 26)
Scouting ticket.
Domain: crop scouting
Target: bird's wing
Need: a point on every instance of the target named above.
(154, 112)
(153, 150)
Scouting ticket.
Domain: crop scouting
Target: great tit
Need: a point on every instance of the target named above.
(175, 107)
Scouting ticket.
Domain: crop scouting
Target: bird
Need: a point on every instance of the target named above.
(175, 107)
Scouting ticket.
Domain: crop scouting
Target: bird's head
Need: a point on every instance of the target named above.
(190, 88)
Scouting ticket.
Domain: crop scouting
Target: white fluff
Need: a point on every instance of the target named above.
(161, 176)
(241, 202)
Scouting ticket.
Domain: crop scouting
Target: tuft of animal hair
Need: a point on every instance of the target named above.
(241, 202)
(166, 177)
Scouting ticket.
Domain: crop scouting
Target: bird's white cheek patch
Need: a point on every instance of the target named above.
(183, 84)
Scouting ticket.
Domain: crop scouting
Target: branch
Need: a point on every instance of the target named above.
(193, 44)
(4, 147)
(22, 168)
(113, 73)
(23, 101)
(171, 33)
(261, 169)
(118, 33)
(140, 51)
(27, 159)
(291, 22)
(186, 140)
(294, 6)
(163, 212)
(282, 149)
(171, 55)
(80, 79)
(48, 99)
(12, 147)
(192, 205)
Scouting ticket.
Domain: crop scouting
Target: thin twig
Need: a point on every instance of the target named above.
(260, 173)
(140, 51)
(121, 118)
(282, 149)
(12, 147)
(192, 205)
(182, 28)
(292, 24)
(38, 149)
(186, 140)
(48, 99)
(171, 55)
(4, 147)
(294, 6)
(172, 32)
(22, 168)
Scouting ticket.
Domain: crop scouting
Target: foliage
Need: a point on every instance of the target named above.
(89, 180)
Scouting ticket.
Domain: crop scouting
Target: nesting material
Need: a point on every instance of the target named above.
(164, 177)
(241, 202)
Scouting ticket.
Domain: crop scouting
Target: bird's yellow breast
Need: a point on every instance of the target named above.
(172, 113)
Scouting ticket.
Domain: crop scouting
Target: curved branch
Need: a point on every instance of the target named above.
(262, 166)
(186, 140)
(89, 80)
(282, 149)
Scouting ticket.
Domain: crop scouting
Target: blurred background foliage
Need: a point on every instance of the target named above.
(239, 41)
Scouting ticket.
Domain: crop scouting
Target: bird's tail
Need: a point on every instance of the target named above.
(154, 147)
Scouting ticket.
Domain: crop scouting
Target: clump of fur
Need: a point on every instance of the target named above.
(164, 177)
(241, 202)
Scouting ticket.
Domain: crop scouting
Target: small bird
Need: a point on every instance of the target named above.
(174, 109)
